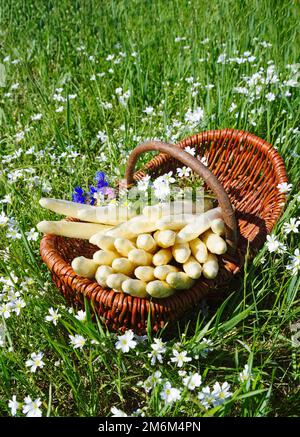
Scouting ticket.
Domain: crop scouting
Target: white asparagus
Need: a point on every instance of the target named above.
(121, 231)
(163, 256)
(214, 243)
(146, 242)
(115, 281)
(135, 287)
(181, 252)
(199, 250)
(123, 265)
(183, 206)
(145, 273)
(63, 207)
(200, 225)
(140, 257)
(102, 274)
(161, 272)
(179, 280)
(192, 268)
(111, 214)
(84, 267)
(159, 289)
(71, 229)
(218, 226)
(105, 257)
(210, 267)
(141, 225)
(104, 242)
(165, 238)
(175, 222)
(123, 246)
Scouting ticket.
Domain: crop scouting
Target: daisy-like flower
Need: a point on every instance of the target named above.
(35, 362)
(245, 375)
(169, 394)
(192, 381)
(168, 177)
(183, 172)
(14, 234)
(207, 347)
(149, 110)
(13, 405)
(161, 188)
(190, 150)
(125, 342)
(77, 341)
(233, 107)
(36, 117)
(81, 316)
(18, 305)
(158, 349)
(5, 310)
(284, 187)
(274, 245)
(32, 408)
(3, 219)
(59, 109)
(270, 97)
(194, 117)
(53, 316)
(32, 235)
(292, 226)
(117, 413)
(152, 381)
(206, 398)
(143, 184)
(180, 358)
(220, 393)
(294, 265)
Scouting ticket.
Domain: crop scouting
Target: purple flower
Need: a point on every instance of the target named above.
(100, 179)
(78, 195)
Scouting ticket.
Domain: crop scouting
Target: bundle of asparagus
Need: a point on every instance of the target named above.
(156, 253)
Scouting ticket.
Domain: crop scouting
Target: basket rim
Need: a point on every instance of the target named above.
(59, 267)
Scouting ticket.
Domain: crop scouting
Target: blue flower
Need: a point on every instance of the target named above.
(78, 195)
(100, 179)
(92, 191)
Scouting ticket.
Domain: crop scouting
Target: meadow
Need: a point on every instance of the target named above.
(81, 84)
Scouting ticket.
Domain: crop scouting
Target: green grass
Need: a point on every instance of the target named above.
(53, 41)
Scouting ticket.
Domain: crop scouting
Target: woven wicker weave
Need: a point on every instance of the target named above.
(246, 166)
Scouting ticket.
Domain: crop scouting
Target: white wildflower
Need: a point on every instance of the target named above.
(158, 349)
(245, 375)
(81, 316)
(117, 413)
(292, 226)
(32, 408)
(35, 361)
(169, 394)
(53, 316)
(192, 381)
(180, 358)
(13, 405)
(125, 342)
(220, 393)
(284, 187)
(77, 341)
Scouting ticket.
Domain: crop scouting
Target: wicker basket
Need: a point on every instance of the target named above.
(243, 171)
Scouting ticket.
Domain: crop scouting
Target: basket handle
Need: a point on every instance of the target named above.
(201, 170)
